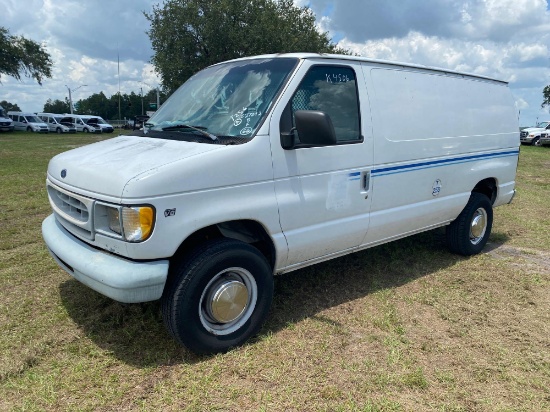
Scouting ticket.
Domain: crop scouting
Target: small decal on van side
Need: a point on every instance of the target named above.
(436, 188)
(169, 212)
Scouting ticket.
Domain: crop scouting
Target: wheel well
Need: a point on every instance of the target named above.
(248, 231)
(487, 187)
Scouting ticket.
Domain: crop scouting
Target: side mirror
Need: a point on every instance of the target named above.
(314, 128)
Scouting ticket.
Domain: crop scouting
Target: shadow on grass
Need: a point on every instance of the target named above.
(135, 333)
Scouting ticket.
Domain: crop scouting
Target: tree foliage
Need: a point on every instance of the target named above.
(188, 35)
(98, 104)
(10, 106)
(21, 56)
(546, 96)
(57, 106)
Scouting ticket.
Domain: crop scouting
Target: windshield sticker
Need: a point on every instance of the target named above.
(246, 130)
(243, 114)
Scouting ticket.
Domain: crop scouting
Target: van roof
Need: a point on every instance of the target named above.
(369, 60)
(22, 113)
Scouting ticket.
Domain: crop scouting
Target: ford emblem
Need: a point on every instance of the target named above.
(64, 173)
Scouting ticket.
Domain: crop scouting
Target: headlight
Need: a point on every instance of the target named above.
(133, 224)
(137, 223)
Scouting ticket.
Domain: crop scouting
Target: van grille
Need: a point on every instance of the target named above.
(71, 206)
(73, 211)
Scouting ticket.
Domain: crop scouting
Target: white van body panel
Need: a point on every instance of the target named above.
(427, 138)
(418, 144)
(319, 190)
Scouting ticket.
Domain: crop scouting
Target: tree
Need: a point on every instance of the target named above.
(57, 106)
(23, 56)
(10, 106)
(188, 35)
(546, 95)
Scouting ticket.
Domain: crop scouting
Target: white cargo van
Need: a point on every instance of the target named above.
(264, 165)
(28, 122)
(98, 121)
(57, 123)
(81, 125)
(6, 124)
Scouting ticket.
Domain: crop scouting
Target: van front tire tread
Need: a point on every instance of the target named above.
(189, 276)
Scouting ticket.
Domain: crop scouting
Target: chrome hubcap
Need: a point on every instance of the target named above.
(228, 301)
(478, 226)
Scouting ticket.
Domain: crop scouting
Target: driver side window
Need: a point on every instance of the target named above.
(333, 90)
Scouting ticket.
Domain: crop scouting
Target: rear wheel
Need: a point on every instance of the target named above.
(469, 232)
(218, 296)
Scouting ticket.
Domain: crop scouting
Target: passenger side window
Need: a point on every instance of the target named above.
(333, 90)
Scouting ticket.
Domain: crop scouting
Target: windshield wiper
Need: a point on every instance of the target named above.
(200, 129)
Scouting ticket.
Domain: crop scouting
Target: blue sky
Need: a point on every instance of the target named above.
(506, 39)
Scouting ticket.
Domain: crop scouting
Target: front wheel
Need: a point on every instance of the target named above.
(536, 141)
(469, 232)
(218, 296)
(58, 130)
(85, 130)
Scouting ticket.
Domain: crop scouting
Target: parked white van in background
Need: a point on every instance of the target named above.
(6, 124)
(82, 126)
(97, 120)
(28, 122)
(264, 165)
(57, 123)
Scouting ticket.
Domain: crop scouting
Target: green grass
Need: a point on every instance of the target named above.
(405, 326)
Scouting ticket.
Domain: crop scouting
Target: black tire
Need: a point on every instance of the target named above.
(29, 129)
(465, 238)
(535, 141)
(85, 130)
(212, 271)
(58, 130)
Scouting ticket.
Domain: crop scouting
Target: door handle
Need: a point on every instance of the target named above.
(365, 183)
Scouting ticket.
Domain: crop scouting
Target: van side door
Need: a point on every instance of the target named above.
(323, 192)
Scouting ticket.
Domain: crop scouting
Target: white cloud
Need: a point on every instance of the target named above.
(521, 104)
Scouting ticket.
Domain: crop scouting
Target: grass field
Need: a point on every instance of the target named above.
(402, 327)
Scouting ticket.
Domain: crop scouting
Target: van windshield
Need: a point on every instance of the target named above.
(33, 119)
(229, 99)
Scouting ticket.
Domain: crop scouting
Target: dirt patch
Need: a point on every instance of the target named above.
(528, 258)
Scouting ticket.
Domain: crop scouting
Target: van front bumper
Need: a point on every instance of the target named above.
(121, 279)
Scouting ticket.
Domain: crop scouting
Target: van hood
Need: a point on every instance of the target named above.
(104, 168)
